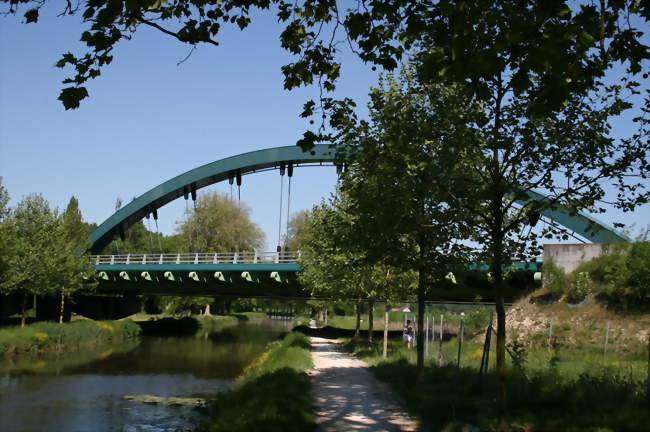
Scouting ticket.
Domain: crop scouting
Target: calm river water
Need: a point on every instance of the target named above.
(84, 390)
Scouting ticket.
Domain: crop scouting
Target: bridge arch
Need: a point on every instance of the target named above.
(260, 160)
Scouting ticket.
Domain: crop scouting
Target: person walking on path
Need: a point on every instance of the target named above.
(408, 334)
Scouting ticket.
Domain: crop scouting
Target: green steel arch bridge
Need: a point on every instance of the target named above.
(243, 274)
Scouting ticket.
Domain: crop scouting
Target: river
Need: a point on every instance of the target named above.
(84, 390)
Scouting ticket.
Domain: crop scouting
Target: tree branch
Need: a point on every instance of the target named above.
(171, 33)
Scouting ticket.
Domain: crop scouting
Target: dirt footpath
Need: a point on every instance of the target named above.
(348, 398)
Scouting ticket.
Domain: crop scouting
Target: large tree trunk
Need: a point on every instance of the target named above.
(358, 325)
(420, 335)
(23, 312)
(386, 331)
(371, 318)
(61, 307)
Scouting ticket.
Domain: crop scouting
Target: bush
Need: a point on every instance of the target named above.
(554, 279)
(580, 287)
(638, 270)
(43, 336)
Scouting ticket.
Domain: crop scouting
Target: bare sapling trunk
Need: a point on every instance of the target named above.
(358, 324)
(420, 335)
(23, 312)
(371, 321)
(62, 306)
(497, 274)
(386, 331)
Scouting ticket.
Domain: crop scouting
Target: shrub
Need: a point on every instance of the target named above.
(554, 279)
(638, 270)
(607, 268)
(580, 287)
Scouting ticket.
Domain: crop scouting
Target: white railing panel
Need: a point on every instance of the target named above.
(245, 257)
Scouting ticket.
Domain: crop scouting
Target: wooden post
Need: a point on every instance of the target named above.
(442, 320)
(606, 339)
(386, 330)
(647, 381)
(433, 328)
(550, 333)
(460, 340)
(485, 358)
(426, 340)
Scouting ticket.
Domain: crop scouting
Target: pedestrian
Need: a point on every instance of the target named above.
(408, 334)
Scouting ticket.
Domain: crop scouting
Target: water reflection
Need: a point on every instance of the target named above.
(83, 390)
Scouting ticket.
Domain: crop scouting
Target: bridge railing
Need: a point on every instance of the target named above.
(286, 257)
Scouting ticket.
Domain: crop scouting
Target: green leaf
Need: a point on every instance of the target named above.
(31, 16)
(72, 96)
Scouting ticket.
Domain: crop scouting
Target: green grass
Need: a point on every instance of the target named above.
(55, 362)
(273, 393)
(569, 390)
(48, 336)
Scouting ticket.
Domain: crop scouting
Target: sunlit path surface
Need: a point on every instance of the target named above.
(348, 398)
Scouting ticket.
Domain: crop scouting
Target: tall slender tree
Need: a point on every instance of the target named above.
(73, 226)
(5, 244)
(401, 214)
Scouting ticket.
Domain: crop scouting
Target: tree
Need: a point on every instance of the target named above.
(41, 258)
(483, 160)
(4, 202)
(296, 230)
(333, 265)
(218, 224)
(5, 213)
(73, 225)
(401, 215)
(32, 233)
(550, 50)
(73, 270)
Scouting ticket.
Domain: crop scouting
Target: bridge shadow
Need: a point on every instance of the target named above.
(170, 327)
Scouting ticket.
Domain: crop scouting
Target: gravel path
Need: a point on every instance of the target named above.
(348, 398)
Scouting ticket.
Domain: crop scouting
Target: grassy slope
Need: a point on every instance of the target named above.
(572, 387)
(556, 399)
(273, 393)
(47, 336)
(581, 326)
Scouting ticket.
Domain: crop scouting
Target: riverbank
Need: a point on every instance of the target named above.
(43, 337)
(564, 390)
(272, 394)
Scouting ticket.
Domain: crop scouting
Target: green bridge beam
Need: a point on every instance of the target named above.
(247, 163)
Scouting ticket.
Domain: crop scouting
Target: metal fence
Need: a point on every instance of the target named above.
(287, 257)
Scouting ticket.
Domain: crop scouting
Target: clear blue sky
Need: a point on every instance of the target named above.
(148, 120)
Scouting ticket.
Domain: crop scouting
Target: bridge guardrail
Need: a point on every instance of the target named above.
(287, 257)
